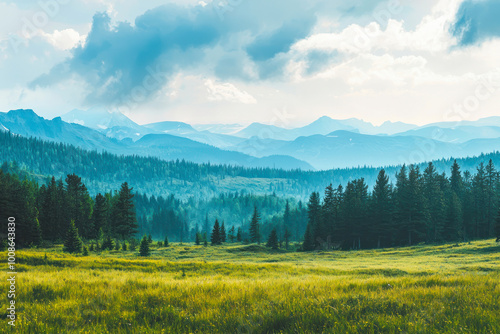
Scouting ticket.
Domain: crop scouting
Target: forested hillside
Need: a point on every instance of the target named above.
(420, 207)
(102, 171)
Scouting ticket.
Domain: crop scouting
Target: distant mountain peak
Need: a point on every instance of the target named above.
(23, 112)
(99, 118)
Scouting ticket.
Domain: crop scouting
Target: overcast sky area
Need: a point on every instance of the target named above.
(281, 62)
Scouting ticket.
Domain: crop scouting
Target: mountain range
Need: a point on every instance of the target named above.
(324, 144)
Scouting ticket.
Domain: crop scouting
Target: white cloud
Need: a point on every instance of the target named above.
(63, 39)
(431, 35)
(227, 92)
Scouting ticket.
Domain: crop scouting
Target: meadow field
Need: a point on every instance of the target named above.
(452, 288)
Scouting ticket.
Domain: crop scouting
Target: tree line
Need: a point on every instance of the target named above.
(420, 207)
(154, 176)
(48, 213)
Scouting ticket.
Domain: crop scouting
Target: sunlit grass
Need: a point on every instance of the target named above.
(242, 289)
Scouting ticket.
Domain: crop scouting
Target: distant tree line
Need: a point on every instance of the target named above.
(421, 207)
(154, 176)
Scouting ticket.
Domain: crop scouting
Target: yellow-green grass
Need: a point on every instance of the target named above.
(248, 289)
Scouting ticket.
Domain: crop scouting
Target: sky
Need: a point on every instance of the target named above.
(281, 62)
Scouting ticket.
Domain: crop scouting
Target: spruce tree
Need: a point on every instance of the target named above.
(215, 238)
(287, 237)
(133, 244)
(150, 239)
(124, 219)
(272, 241)
(72, 244)
(165, 242)
(197, 240)
(308, 244)
(223, 235)
(435, 204)
(239, 237)
(144, 248)
(79, 205)
(231, 235)
(491, 198)
(107, 243)
(254, 227)
(382, 228)
(124, 246)
(99, 216)
(85, 251)
(314, 215)
(286, 217)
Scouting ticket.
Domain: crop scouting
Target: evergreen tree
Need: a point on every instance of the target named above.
(435, 204)
(197, 240)
(456, 180)
(144, 248)
(72, 244)
(287, 237)
(480, 203)
(232, 235)
(329, 215)
(107, 243)
(286, 217)
(124, 246)
(150, 238)
(454, 221)
(382, 211)
(133, 244)
(28, 227)
(492, 181)
(308, 244)
(215, 238)
(223, 235)
(85, 251)
(117, 245)
(52, 217)
(417, 214)
(79, 205)
(124, 219)
(254, 227)
(165, 242)
(239, 237)
(100, 216)
(272, 241)
(314, 216)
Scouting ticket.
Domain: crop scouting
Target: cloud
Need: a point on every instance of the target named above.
(227, 92)
(268, 45)
(63, 39)
(477, 21)
(118, 58)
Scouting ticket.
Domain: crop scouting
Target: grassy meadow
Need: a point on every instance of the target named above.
(249, 289)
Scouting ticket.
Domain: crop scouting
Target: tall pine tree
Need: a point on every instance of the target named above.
(255, 227)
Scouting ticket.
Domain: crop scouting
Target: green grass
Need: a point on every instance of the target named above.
(248, 289)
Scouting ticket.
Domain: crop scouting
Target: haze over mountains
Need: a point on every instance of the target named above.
(324, 144)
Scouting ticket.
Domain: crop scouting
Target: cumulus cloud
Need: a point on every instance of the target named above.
(227, 92)
(118, 59)
(63, 39)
